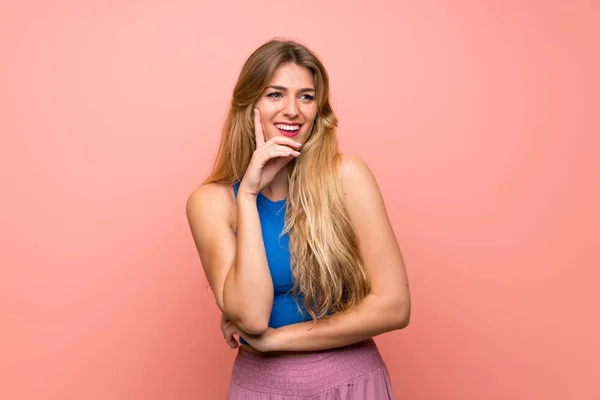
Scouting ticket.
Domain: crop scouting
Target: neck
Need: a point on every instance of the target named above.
(277, 189)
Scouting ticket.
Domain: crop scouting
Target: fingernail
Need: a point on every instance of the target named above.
(299, 144)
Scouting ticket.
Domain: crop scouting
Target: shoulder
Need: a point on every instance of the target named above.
(359, 185)
(210, 193)
(355, 173)
(210, 198)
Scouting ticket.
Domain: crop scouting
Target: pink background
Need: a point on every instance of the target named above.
(479, 119)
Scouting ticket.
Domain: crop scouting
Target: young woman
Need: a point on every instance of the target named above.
(295, 241)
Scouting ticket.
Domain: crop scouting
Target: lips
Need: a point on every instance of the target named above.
(287, 129)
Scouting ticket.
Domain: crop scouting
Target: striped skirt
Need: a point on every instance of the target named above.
(355, 372)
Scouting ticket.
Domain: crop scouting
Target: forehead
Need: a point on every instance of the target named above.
(292, 76)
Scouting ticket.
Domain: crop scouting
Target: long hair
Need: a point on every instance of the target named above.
(329, 275)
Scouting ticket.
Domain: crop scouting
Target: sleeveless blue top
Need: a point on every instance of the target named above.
(272, 218)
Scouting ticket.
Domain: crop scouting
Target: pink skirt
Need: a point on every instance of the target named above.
(355, 372)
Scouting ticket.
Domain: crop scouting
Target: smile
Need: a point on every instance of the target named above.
(288, 130)
(287, 127)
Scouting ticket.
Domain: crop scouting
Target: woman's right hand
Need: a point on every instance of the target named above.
(268, 159)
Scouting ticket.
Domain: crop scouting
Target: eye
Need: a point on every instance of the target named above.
(308, 97)
(274, 94)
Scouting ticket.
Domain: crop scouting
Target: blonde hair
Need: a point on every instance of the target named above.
(326, 265)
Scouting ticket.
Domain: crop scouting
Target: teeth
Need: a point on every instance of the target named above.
(288, 127)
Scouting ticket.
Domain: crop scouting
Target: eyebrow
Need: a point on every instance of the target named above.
(283, 88)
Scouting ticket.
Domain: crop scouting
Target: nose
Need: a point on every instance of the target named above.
(290, 108)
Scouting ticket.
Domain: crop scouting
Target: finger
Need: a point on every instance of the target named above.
(279, 151)
(285, 141)
(228, 333)
(233, 343)
(226, 327)
(229, 338)
(224, 320)
(258, 131)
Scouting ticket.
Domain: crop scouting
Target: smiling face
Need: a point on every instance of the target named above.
(287, 106)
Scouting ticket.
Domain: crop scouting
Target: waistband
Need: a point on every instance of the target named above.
(307, 374)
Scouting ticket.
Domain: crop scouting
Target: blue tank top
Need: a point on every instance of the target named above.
(272, 219)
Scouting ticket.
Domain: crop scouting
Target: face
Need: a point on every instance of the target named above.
(287, 106)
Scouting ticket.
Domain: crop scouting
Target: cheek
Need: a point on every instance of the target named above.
(310, 112)
(309, 129)
(266, 105)
(312, 119)
(265, 109)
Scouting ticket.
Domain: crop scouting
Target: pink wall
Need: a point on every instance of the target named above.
(480, 121)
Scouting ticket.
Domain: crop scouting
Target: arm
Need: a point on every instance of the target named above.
(248, 281)
(386, 307)
(373, 316)
(241, 285)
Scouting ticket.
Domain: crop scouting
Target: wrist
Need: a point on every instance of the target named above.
(244, 197)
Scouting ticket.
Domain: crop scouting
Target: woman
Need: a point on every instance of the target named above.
(295, 241)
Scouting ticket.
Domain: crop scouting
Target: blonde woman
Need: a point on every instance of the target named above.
(295, 241)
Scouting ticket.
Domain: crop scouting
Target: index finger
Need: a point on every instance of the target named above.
(258, 132)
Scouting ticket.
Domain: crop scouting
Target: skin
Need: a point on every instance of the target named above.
(225, 228)
(288, 98)
(386, 307)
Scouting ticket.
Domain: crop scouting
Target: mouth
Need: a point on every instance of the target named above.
(289, 130)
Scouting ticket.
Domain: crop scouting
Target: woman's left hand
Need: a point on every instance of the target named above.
(228, 329)
(265, 342)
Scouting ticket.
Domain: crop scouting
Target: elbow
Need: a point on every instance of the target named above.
(402, 319)
(249, 318)
(250, 322)
(400, 314)
(253, 326)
